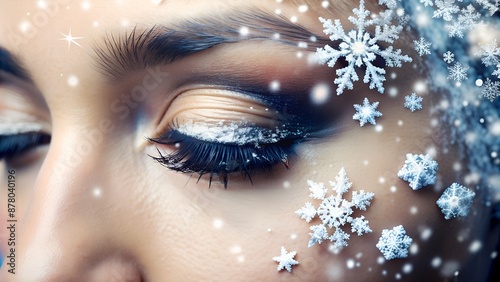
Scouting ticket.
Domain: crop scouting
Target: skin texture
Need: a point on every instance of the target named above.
(93, 206)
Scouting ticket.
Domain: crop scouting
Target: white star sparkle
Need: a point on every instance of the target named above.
(70, 39)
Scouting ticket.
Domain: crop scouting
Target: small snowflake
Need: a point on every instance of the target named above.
(286, 260)
(413, 102)
(422, 47)
(491, 90)
(445, 9)
(419, 170)
(366, 112)
(455, 201)
(448, 57)
(335, 212)
(359, 48)
(394, 243)
(457, 72)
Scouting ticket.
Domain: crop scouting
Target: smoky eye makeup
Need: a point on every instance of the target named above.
(217, 132)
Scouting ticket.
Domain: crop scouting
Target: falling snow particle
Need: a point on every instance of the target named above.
(455, 201)
(394, 243)
(366, 112)
(359, 48)
(285, 260)
(335, 212)
(419, 170)
(422, 47)
(413, 102)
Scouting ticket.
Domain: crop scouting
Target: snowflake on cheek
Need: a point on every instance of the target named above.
(419, 170)
(394, 243)
(413, 102)
(366, 112)
(359, 48)
(335, 212)
(286, 260)
(455, 201)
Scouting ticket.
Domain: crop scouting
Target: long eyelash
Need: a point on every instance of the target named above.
(14, 145)
(202, 157)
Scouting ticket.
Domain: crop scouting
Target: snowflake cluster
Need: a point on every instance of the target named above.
(460, 17)
(413, 102)
(335, 212)
(394, 243)
(361, 48)
(455, 201)
(419, 171)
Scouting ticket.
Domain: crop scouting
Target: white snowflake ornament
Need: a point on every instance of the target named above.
(366, 113)
(360, 48)
(455, 201)
(335, 212)
(419, 171)
(491, 90)
(394, 243)
(285, 260)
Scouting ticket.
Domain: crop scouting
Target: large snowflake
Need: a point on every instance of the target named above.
(419, 170)
(455, 201)
(366, 112)
(394, 243)
(466, 20)
(359, 48)
(335, 212)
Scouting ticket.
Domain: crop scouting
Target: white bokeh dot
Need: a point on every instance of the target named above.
(97, 192)
(218, 223)
(320, 93)
(274, 86)
(73, 81)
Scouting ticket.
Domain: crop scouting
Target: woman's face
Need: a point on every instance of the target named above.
(95, 205)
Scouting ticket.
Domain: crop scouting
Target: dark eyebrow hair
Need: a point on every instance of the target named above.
(159, 45)
(11, 65)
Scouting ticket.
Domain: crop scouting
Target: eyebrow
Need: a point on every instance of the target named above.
(161, 45)
(11, 65)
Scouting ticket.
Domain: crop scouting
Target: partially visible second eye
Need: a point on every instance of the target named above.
(14, 147)
(218, 133)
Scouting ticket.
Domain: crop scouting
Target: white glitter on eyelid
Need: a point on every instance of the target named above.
(234, 133)
(19, 127)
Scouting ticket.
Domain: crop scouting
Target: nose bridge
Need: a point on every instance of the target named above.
(55, 236)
